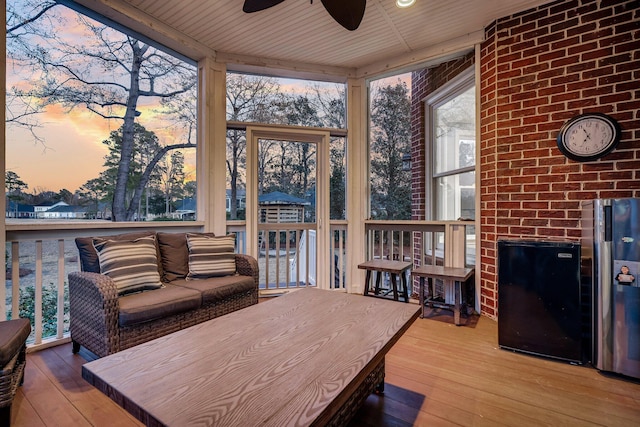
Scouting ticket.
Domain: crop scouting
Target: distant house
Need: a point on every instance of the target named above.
(62, 210)
(241, 197)
(41, 209)
(19, 210)
(185, 209)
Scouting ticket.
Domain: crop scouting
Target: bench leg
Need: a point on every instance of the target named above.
(456, 306)
(378, 280)
(367, 281)
(430, 294)
(405, 287)
(394, 284)
(421, 297)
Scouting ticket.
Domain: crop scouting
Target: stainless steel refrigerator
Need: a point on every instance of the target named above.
(611, 265)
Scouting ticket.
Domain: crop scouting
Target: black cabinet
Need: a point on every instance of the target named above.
(539, 298)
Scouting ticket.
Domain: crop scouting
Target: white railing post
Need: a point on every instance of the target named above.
(38, 294)
(61, 277)
(15, 280)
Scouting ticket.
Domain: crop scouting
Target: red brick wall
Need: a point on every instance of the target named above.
(538, 69)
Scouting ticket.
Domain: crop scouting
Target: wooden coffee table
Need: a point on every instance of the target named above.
(310, 357)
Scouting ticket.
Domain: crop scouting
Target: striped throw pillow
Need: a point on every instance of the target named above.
(131, 264)
(211, 256)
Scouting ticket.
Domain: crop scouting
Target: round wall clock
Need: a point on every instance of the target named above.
(588, 136)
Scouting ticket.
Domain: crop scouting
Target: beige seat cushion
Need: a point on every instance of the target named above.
(13, 334)
(157, 303)
(216, 288)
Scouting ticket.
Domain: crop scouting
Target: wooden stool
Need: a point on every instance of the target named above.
(457, 275)
(394, 268)
(13, 337)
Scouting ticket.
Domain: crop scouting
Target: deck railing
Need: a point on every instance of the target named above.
(41, 254)
(39, 257)
(448, 243)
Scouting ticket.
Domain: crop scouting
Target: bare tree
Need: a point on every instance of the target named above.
(171, 178)
(249, 99)
(25, 19)
(109, 73)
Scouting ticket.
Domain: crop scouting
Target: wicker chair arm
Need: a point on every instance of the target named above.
(94, 310)
(246, 265)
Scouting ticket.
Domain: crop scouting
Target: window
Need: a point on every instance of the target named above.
(87, 98)
(451, 127)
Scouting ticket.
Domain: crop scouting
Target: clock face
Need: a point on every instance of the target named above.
(588, 136)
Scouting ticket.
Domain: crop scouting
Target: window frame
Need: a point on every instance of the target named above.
(453, 88)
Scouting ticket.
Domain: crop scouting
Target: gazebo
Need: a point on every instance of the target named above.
(278, 207)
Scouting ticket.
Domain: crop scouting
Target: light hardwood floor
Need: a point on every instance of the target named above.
(437, 375)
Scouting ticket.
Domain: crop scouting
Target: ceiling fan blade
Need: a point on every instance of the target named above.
(258, 5)
(348, 13)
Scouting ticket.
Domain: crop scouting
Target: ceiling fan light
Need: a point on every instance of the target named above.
(405, 3)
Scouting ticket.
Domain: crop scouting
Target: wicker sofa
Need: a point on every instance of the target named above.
(105, 321)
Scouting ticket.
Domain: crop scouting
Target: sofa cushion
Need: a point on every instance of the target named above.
(13, 334)
(174, 255)
(89, 257)
(211, 256)
(131, 264)
(216, 288)
(156, 304)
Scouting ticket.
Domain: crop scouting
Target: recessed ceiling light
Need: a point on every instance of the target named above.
(405, 3)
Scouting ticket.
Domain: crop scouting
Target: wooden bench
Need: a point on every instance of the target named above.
(448, 274)
(395, 269)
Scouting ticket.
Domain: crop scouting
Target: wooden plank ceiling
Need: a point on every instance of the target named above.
(300, 32)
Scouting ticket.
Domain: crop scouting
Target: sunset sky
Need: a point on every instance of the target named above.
(72, 151)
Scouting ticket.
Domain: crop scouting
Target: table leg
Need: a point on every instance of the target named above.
(430, 291)
(378, 279)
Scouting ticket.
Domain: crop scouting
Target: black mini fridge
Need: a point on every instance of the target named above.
(539, 307)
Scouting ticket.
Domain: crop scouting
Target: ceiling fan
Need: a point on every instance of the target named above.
(347, 13)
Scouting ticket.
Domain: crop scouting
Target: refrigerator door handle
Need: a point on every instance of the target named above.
(608, 224)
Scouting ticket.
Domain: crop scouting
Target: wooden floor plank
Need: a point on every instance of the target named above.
(97, 408)
(526, 383)
(22, 413)
(53, 408)
(437, 375)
